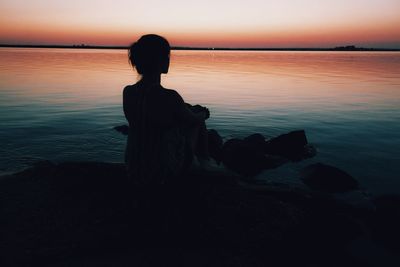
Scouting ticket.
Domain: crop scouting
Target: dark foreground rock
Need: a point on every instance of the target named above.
(241, 157)
(88, 214)
(386, 221)
(328, 179)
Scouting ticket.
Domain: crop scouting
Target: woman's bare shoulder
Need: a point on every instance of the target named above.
(129, 89)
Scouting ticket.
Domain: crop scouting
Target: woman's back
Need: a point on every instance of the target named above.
(156, 148)
(149, 103)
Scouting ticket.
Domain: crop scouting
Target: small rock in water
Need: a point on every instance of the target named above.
(124, 129)
(326, 178)
(290, 145)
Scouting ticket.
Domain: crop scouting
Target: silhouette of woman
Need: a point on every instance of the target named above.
(165, 134)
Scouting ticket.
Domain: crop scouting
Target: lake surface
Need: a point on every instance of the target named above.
(62, 104)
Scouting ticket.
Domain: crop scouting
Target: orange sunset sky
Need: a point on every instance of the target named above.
(218, 23)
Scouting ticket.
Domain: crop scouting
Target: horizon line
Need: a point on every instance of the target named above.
(84, 46)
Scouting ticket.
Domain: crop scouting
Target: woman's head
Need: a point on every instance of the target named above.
(150, 54)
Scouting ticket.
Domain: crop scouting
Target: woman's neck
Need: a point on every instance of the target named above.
(151, 78)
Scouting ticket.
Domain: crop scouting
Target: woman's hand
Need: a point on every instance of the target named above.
(201, 109)
(207, 111)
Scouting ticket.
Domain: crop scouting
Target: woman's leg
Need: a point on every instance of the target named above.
(202, 142)
(198, 137)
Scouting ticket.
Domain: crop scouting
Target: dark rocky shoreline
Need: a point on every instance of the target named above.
(88, 214)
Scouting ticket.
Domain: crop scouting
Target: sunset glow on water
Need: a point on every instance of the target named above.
(62, 104)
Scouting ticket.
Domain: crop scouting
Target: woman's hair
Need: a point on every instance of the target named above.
(150, 54)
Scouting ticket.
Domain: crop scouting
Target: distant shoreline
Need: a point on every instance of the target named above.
(341, 48)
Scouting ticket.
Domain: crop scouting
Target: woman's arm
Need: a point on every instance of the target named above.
(184, 112)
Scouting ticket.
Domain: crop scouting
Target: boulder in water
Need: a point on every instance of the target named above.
(290, 145)
(326, 178)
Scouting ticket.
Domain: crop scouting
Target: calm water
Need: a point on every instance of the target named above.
(61, 104)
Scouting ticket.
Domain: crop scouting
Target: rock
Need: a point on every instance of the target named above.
(124, 129)
(89, 212)
(326, 178)
(274, 161)
(247, 157)
(257, 141)
(386, 221)
(290, 145)
(243, 158)
(215, 143)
